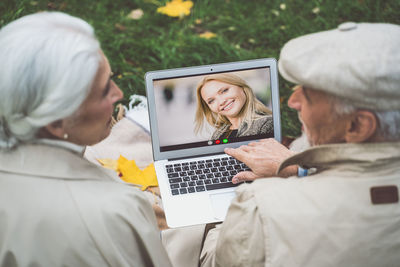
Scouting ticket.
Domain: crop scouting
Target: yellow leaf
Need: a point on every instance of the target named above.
(207, 35)
(109, 164)
(131, 173)
(176, 8)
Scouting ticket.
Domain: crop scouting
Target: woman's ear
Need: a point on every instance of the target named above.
(362, 126)
(55, 129)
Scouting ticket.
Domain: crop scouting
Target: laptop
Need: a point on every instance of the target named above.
(190, 128)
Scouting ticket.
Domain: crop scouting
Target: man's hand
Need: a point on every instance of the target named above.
(263, 158)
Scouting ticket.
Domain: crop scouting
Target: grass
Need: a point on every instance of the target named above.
(244, 30)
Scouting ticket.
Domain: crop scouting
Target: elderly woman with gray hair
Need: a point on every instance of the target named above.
(56, 208)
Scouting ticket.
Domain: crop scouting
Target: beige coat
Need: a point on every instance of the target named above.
(327, 219)
(58, 209)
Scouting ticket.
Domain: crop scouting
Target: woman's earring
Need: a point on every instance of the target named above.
(65, 136)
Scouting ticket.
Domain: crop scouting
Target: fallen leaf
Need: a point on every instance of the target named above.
(120, 27)
(136, 14)
(207, 35)
(275, 12)
(176, 8)
(316, 10)
(132, 174)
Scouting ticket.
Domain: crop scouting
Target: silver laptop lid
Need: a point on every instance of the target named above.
(173, 104)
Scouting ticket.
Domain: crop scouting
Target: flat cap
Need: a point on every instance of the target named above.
(356, 61)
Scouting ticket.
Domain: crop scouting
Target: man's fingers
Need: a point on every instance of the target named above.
(244, 176)
(236, 153)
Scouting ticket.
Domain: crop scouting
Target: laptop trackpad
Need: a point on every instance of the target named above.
(220, 203)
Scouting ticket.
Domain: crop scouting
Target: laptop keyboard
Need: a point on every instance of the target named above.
(203, 175)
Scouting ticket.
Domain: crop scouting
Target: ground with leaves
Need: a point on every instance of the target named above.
(138, 36)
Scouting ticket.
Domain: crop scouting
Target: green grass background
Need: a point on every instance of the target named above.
(246, 29)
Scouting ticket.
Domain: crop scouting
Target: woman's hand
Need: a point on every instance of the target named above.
(263, 158)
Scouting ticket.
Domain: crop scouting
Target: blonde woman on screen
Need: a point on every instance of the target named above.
(228, 103)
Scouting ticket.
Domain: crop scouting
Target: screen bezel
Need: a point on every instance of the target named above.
(204, 70)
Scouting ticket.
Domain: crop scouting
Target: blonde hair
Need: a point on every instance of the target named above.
(251, 110)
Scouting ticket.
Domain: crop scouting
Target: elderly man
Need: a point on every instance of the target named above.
(347, 212)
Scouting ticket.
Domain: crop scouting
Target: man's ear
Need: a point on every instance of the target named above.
(56, 129)
(362, 126)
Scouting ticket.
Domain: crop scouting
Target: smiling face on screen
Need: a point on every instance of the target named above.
(223, 98)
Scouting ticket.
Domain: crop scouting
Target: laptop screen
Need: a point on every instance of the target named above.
(215, 108)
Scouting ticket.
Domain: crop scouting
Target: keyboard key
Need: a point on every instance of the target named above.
(175, 192)
(202, 176)
(168, 166)
(206, 171)
(215, 180)
(201, 161)
(224, 180)
(190, 172)
(191, 183)
(217, 174)
(185, 168)
(169, 170)
(174, 186)
(173, 175)
(214, 169)
(209, 160)
(208, 181)
(216, 164)
(200, 188)
(194, 178)
(237, 167)
(186, 178)
(217, 159)
(178, 169)
(198, 171)
(184, 184)
(175, 180)
(201, 166)
(234, 172)
(182, 174)
(177, 165)
(224, 163)
(225, 173)
(183, 190)
(200, 182)
(219, 186)
(209, 165)
(185, 163)
(210, 175)
(191, 190)
(229, 168)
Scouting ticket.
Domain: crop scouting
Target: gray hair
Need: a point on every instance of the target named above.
(49, 60)
(389, 121)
